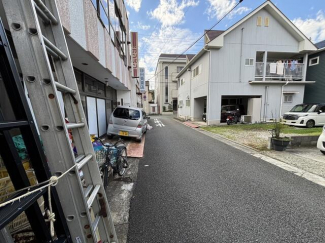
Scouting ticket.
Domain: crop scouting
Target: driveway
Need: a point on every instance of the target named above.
(193, 188)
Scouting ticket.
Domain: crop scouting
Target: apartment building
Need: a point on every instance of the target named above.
(99, 42)
(166, 82)
(257, 66)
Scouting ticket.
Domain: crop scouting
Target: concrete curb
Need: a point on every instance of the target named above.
(299, 172)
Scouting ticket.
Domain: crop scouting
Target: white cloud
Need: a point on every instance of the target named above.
(312, 28)
(165, 40)
(170, 12)
(142, 26)
(135, 4)
(219, 8)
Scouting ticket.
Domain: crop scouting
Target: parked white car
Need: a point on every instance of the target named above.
(128, 122)
(321, 142)
(305, 115)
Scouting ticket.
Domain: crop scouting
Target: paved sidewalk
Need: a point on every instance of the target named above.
(119, 194)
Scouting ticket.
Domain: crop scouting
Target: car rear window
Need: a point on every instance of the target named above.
(125, 113)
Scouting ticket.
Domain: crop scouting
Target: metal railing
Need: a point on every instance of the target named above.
(276, 71)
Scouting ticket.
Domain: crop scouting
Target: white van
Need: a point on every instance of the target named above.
(305, 115)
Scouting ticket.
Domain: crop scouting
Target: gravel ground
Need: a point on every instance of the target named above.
(308, 159)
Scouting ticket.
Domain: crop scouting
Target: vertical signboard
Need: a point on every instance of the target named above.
(134, 46)
(142, 80)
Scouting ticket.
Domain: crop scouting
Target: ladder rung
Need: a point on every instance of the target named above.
(52, 53)
(45, 19)
(53, 48)
(93, 196)
(46, 11)
(79, 158)
(61, 87)
(88, 190)
(95, 223)
(84, 161)
(74, 125)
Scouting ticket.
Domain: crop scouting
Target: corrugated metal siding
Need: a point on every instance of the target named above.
(315, 93)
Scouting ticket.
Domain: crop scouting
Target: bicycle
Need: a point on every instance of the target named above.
(113, 155)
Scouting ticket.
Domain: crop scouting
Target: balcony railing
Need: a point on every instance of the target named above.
(279, 71)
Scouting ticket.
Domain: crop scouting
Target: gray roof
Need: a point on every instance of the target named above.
(172, 55)
(190, 56)
(212, 34)
(320, 45)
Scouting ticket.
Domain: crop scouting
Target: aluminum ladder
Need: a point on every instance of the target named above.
(46, 66)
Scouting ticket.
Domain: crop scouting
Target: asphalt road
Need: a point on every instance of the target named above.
(193, 188)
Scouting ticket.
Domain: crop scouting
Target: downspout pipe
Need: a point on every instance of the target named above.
(241, 53)
(208, 93)
(281, 100)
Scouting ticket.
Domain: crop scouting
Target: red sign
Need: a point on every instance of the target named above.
(135, 59)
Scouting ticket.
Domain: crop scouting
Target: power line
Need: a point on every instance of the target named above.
(197, 40)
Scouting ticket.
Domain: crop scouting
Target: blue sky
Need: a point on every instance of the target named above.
(170, 26)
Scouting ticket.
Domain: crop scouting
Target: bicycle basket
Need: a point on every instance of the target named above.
(101, 156)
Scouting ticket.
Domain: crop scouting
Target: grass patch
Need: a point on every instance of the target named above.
(316, 131)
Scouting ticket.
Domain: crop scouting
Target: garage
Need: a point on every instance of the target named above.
(248, 108)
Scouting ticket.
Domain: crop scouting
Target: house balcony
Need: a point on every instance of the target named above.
(279, 71)
(278, 67)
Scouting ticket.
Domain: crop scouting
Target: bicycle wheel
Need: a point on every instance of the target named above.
(122, 162)
(105, 176)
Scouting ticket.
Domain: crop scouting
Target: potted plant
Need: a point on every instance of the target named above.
(279, 143)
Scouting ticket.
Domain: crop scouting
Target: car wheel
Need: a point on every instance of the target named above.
(310, 124)
(139, 139)
(323, 152)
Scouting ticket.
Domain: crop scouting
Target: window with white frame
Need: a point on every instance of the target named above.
(180, 104)
(187, 102)
(288, 98)
(249, 62)
(179, 68)
(313, 61)
(196, 71)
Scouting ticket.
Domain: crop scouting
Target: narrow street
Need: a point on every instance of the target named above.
(193, 188)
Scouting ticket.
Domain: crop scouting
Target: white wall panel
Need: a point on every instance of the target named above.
(92, 116)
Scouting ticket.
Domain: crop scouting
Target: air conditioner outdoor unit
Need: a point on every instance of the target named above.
(246, 118)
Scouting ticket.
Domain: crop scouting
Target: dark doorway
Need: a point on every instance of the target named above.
(174, 105)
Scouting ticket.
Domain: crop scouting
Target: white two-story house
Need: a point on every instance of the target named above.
(258, 65)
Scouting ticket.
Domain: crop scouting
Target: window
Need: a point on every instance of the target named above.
(90, 85)
(187, 102)
(125, 113)
(103, 13)
(179, 68)
(180, 104)
(101, 89)
(313, 61)
(94, 3)
(266, 22)
(113, 19)
(259, 21)
(288, 98)
(196, 71)
(166, 72)
(249, 62)
(182, 81)
(166, 92)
